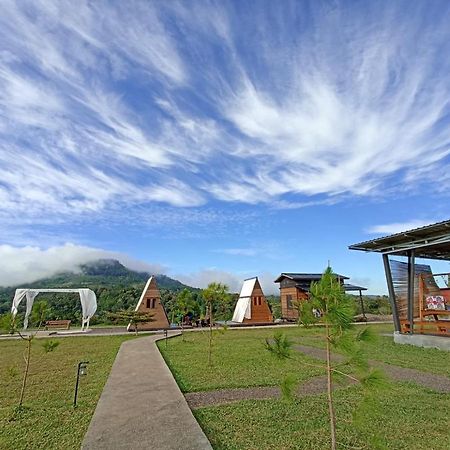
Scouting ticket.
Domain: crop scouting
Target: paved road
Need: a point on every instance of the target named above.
(142, 407)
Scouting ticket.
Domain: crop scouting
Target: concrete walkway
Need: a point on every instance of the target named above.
(142, 407)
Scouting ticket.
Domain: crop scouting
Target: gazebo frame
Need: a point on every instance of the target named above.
(429, 242)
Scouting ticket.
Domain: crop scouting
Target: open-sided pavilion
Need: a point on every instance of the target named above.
(420, 300)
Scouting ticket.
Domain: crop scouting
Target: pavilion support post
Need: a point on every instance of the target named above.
(362, 305)
(411, 279)
(390, 284)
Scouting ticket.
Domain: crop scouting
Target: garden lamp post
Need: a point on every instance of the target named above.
(81, 371)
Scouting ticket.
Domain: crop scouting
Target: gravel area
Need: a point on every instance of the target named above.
(223, 396)
(316, 385)
(439, 383)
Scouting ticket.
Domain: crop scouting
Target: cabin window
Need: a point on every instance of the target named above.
(153, 302)
(148, 303)
(289, 301)
(255, 300)
(259, 301)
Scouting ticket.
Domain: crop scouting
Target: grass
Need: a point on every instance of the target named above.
(401, 417)
(48, 420)
(385, 350)
(398, 416)
(239, 360)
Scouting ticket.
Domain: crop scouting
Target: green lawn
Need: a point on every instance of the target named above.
(240, 360)
(48, 420)
(399, 416)
(384, 349)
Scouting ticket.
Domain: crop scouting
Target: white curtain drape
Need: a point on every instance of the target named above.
(31, 295)
(243, 309)
(18, 297)
(88, 305)
(87, 298)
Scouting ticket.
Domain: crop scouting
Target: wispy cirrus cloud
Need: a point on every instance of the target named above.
(239, 251)
(112, 106)
(398, 227)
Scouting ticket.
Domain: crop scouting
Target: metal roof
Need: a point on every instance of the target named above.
(305, 276)
(430, 242)
(353, 287)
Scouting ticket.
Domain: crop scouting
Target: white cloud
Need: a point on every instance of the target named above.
(28, 264)
(398, 227)
(202, 278)
(239, 251)
(233, 280)
(107, 106)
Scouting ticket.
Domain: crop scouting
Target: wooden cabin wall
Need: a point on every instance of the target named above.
(260, 308)
(151, 303)
(297, 296)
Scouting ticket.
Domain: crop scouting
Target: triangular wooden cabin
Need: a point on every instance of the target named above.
(252, 306)
(150, 302)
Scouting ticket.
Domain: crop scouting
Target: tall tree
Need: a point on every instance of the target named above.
(184, 305)
(328, 297)
(213, 295)
(38, 315)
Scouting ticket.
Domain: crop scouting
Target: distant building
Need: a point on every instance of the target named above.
(294, 288)
(252, 306)
(150, 302)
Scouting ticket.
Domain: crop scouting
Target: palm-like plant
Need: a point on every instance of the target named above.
(213, 295)
(184, 305)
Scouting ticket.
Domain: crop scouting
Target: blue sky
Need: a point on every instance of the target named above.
(219, 140)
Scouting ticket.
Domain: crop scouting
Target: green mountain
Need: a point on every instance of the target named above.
(116, 287)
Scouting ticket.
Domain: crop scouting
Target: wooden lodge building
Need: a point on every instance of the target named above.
(252, 306)
(150, 302)
(294, 288)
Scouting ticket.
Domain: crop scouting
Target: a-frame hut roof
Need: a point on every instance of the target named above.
(147, 285)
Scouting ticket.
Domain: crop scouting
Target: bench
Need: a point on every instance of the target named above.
(436, 327)
(62, 324)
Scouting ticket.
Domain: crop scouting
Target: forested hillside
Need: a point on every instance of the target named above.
(116, 287)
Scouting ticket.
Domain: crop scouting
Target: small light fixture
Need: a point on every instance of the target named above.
(81, 371)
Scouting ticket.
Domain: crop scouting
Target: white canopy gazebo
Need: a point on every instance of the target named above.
(87, 298)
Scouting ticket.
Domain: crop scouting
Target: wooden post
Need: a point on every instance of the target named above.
(362, 305)
(411, 278)
(421, 295)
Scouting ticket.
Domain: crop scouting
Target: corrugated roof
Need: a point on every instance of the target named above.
(353, 287)
(305, 276)
(431, 242)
